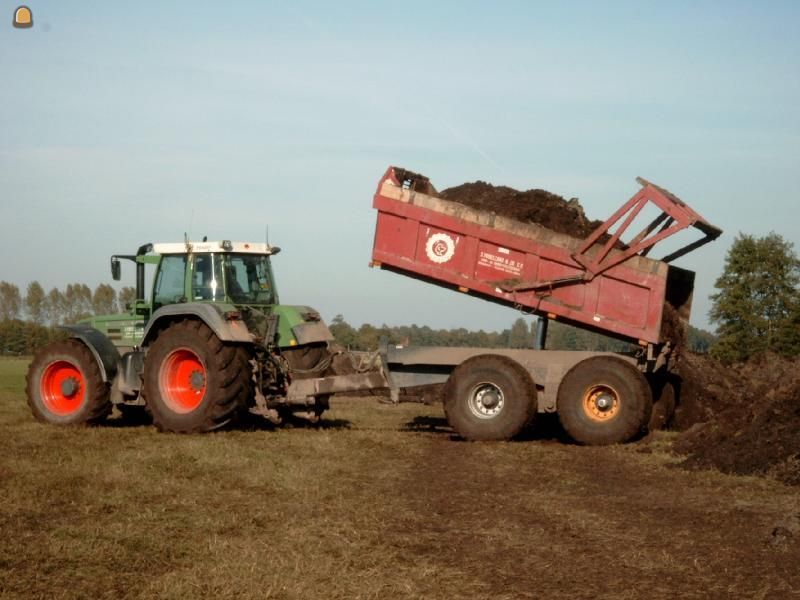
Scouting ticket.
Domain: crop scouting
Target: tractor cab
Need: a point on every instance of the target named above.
(223, 272)
(226, 272)
(234, 274)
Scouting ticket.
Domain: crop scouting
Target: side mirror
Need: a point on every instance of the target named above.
(115, 269)
(274, 250)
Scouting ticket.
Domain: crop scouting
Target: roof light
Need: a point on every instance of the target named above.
(23, 18)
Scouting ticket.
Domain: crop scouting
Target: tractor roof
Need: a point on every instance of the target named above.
(221, 246)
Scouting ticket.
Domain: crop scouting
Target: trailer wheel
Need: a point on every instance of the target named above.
(64, 385)
(489, 397)
(194, 382)
(604, 400)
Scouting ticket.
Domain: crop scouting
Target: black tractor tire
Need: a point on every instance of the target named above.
(489, 397)
(663, 406)
(304, 360)
(65, 386)
(194, 382)
(604, 400)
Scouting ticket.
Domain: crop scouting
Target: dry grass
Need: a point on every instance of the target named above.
(379, 503)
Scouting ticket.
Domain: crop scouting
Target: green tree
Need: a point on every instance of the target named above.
(789, 332)
(104, 300)
(126, 297)
(84, 304)
(77, 302)
(12, 337)
(343, 332)
(35, 303)
(367, 337)
(519, 336)
(21, 337)
(10, 301)
(562, 337)
(700, 340)
(757, 297)
(55, 306)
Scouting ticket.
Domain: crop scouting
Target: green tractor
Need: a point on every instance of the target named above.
(210, 344)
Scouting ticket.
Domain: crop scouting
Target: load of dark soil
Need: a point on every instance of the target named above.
(531, 206)
(743, 419)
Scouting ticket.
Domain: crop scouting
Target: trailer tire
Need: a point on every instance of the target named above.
(489, 397)
(604, 400)
(194, 382)
(64, 385)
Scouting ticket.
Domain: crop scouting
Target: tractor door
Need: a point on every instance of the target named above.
(170, 281)
(206, 278)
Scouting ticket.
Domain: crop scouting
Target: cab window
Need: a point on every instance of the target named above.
(249, 279)
(207, 283)
(169, 282)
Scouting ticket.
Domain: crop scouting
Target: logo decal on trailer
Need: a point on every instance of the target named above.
(440, 248)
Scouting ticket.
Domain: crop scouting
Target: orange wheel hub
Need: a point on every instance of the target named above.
(63, 388)
(182, 380)
(601, 403)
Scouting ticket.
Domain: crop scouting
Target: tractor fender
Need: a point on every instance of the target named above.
(102, 348)
(308, 333)
(213, 315)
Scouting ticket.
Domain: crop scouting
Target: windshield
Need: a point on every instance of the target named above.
(248, 278)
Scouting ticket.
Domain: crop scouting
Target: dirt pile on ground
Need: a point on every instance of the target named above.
(530, 206)
(743, 419)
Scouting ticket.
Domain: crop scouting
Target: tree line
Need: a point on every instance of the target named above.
(521, 334)
(29, 321)
(58, 307)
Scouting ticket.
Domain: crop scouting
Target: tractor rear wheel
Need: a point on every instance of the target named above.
(64, 385)
(604, 400)
(489, 397)
(194, 382)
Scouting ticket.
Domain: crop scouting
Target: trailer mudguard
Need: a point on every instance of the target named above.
(227, 328)
(103, 350)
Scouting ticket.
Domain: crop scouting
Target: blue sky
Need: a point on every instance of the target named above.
(127, 123)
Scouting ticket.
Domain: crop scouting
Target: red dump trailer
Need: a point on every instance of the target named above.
(605, 283)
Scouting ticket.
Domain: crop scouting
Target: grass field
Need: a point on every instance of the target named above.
(379, 502)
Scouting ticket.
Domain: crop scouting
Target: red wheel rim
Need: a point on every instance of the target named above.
(182, 380)
(63, 388)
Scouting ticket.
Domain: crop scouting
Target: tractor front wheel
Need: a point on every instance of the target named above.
(64, 385)
(194, 382)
